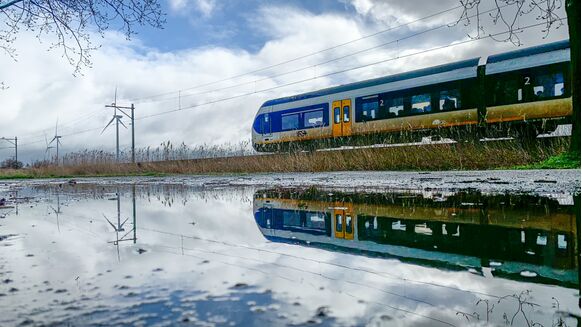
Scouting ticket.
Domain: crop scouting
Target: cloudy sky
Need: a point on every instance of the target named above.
(206, 41)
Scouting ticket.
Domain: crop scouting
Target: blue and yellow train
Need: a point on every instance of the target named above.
(520, 93)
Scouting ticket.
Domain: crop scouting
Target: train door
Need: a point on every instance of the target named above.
(342, 120)
(338, 220)
(344, 221)
(266, 123)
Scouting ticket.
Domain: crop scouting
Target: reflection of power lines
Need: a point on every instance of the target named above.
(381, 274)
(301, 281)
(130, 235)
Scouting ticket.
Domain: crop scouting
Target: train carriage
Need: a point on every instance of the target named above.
(520, 93)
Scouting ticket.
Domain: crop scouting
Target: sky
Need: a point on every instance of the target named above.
(186, 67)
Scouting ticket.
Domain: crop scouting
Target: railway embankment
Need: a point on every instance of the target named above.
(542, 154)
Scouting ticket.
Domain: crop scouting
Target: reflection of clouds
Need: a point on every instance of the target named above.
(355, 288)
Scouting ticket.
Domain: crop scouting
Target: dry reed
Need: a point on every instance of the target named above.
(459, 156)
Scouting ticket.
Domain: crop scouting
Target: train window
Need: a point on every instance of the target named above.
(346, 114)
(313, 119)
(266, 125)
(504, 90)
(395, 107)
(450, 100)
(420, 103)
(369, 111)
(290, 122)
(291, 218)
(336, 115)
(338, 223)
(316, 220)
(562, 241)
(527, 85)
(349, 225)
(548, 85)
(559, 89)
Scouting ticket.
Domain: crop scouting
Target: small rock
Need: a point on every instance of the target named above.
(322, 311)
(240, 285)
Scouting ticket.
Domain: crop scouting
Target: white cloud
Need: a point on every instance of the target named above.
(42, 88)
(392, 12)
(204, 7)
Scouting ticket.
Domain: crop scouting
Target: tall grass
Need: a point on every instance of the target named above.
(164, 152)
(237, 159)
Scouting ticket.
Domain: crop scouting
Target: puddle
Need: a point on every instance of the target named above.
(177, 254)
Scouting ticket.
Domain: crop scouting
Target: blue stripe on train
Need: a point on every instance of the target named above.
(275, 119)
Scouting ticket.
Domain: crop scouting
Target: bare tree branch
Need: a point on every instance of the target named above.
(507, 14)
(73, 21)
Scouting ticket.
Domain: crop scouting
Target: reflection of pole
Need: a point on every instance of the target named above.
(16, 201)
(134, 219)
(119, 227)
(577, 247)
(118, 211)
(58, 211)
(132, 135)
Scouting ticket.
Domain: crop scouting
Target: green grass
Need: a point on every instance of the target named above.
(564, 160)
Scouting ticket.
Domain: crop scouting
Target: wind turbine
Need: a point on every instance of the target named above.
(117, 119)
(120, 227)
(48, 147)
(57, 137)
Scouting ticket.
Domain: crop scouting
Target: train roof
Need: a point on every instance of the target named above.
(423, 72)
(564, 44)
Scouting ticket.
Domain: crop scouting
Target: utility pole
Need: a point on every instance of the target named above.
(14, 142)
(118, 118)
(132, 138)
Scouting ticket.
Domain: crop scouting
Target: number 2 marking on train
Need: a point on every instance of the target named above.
(381, 103)
(527, 79)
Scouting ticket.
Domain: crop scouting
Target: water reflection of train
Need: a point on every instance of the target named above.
(517, 237)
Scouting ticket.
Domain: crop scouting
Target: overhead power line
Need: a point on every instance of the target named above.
(336, 72)
(87, 116)
(307, 79)
(300, 57)
(76, 121)
(325, 62)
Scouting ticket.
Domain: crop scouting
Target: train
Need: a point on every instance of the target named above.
(463, 230)
(522, 93)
